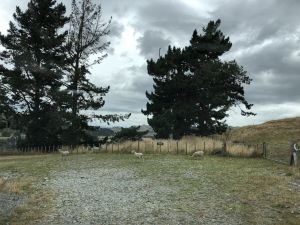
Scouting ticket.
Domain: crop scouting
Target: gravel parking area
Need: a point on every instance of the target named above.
(116, 195)
(118, 189)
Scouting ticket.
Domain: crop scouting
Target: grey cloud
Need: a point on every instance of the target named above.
(270, 27)
(268, 18)
(116, 29)
(275, 74)
(128, 94)
(171, 17)
(151, 42)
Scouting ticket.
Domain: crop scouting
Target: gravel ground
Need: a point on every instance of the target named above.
(108, 194)
(8, 202)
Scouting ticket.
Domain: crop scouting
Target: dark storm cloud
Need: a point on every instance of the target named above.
(171, 17)
(267, 45)
(267, 19)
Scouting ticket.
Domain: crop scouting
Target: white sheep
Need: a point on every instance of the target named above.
(64, 154)
(139, 155)
(198, 154)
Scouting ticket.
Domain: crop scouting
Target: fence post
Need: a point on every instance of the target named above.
(112, 147)
(204, 146)
(293, 157)
(177, 147)
(138, 145)
(264, 150)
(186, 150)
(152, 147)
(224, 146)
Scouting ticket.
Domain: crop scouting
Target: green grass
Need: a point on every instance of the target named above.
(255, 190)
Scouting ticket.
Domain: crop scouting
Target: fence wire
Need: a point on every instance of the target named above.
(279, 152)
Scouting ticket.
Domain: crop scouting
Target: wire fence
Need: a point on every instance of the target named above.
(277, 152)
(145, 146)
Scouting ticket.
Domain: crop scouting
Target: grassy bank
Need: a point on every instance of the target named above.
(275, 131)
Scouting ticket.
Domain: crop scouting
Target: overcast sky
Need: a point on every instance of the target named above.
(265, 37)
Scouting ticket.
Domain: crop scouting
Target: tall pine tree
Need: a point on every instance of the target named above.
(194, 89)
(34, 58)
(87, 37)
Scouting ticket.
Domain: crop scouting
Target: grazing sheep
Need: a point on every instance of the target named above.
(64, 154)
(198, 154)
(138, 155)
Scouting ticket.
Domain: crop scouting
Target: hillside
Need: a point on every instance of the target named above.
(274, 131)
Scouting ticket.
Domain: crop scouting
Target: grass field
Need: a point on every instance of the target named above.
(164, 189)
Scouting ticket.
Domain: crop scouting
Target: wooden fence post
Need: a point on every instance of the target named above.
(177, 147)
(152, 147)
(225, 147)
(138, 145)
(186, 149)
(204, 146)
(264, 150)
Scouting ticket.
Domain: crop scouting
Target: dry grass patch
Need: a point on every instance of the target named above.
(244, 150)
(275, 131)
(18, 186)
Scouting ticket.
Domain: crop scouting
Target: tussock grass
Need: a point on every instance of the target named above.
(242, 150)
(18, 186)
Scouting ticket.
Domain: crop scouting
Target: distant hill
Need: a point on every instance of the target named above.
(274, 131)
(112, 130)
(101, 132)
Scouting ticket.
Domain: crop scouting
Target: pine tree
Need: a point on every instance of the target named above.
(87, 37)
(34, 59)
(194, 89)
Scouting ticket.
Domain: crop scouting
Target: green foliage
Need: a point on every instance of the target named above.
(130, 133)
(34, 61)
(44, 83)
(193, 88)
